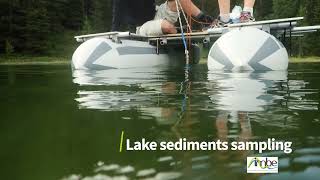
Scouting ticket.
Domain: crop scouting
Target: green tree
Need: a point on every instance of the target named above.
(12, 24)
(56, 14)
(75, 14)
(263, 9)
(101, 15)
(285, 8)
(312, 41)
(37, 28)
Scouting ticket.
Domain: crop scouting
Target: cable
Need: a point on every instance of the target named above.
(182, 34)
(184, 15)
(187, 68)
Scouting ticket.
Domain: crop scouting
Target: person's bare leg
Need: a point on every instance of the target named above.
(168, 28)
(224, 6)
(249, 3)
(248, 6)
(187, 5)
(172, 6)
(190, 8)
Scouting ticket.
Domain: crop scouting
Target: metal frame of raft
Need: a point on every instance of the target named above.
(280, 28)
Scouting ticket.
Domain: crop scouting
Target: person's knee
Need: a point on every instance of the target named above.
(172, 5)
(168, 28)
(186, 3)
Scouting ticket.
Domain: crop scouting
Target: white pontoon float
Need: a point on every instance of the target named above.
(243, 46)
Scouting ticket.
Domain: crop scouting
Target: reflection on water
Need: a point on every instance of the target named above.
(143, 89)
(74, 128)
(246, 91)
(224, 105)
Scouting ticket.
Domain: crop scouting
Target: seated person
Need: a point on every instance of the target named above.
(167, 15)
(224, 17)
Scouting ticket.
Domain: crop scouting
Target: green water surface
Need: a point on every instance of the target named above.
(59, 124)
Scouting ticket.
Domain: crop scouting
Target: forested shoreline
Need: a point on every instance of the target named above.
(43, 27)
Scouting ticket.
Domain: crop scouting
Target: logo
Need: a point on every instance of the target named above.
(262, 164)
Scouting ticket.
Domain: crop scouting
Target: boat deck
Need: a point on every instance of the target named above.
(280, 28)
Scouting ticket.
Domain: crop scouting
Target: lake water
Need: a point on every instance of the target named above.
(58, 124)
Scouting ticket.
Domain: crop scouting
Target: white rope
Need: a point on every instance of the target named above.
(184, 15)
(178, 11)
(182, 33)
(187, 68)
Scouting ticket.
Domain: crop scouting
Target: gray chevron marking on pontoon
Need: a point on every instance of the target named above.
(131, 50)
(281, 44)
(268, 48)
(96, 54)
(218, 55)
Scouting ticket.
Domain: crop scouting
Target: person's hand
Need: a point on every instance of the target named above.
(204, 18)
